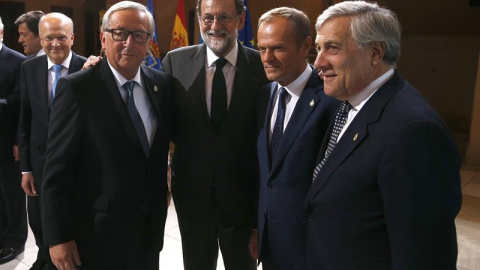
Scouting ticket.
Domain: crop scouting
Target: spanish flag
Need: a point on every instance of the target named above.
(179, 34)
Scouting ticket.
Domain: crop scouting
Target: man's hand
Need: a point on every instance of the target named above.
(65, 256)
(253, 244)
(92, 61)
(16, 154)
(28, 184)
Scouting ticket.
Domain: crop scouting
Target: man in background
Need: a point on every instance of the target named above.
(13, 215)
(296, 119)
(38, 79)
(214, 170)
(28, 33)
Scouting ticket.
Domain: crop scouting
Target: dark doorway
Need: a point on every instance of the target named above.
(10, 11)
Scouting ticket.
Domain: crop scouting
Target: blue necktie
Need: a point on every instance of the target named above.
(340, 120)
(135, 117)
(278, 127)
(58, 75)
(218, 110)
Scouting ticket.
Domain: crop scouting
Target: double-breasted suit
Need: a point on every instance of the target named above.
(389, 192)
(284, 183)
(13, 216)
(100, 189)
(214, 170)
(33, 133)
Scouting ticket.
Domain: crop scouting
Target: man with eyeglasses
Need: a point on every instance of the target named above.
(214, 171)
(105, 181)
(38, 78)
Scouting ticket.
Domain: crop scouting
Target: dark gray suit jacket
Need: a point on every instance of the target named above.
(206, 163)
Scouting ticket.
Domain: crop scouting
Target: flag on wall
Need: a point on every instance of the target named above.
(245, 36)
(179, 34)
(153, 56)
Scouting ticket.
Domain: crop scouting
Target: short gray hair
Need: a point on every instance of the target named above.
(127, 5)
(239, 6)
(299, 20)
(369, 23)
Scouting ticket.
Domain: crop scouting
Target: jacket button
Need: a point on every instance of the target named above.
(310, 218)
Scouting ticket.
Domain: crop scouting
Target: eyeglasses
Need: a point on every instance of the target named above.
(60, 39)
(122, 35)
(223, 19)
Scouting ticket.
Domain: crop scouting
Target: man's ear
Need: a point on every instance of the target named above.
(377, 49)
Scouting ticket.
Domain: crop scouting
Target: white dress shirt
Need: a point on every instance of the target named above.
(359, 100)
(294, 90)
(228, 72)
(142, 101)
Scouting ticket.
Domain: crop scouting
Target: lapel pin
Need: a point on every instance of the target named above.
(355, 137)
(155, 88)
(312, 103)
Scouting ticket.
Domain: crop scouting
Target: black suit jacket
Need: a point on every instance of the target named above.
(206, 163)
(10, 62)
(387, 196)
(34, 113)
(99, 187)
(284, 184)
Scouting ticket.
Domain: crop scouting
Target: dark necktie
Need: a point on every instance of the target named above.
(340, 120)
(278, 127)
(58, 75)
(219, 95)
(135, 117)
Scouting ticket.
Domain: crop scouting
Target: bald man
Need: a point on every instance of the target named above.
(38, 78)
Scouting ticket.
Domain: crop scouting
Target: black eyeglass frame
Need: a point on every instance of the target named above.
(115, 36)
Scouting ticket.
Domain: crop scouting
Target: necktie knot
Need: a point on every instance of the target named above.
(129, 86)
(220, 63)
(346, 107)
(57, 68)
(282, 94)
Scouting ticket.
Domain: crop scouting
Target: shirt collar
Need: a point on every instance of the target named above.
(361, 98)
(40, 53)
(1, 45)
(65, 64)
(120, 80)
(231, 56)
(296, 87)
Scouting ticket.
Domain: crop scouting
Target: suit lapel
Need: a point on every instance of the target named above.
(356, 133)
(75, 64)
(118, 105)
(197, 86)
(265, 134)
(155, 96)
(306, 104)
(42, 79)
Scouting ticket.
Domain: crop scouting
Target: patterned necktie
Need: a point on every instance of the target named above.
(219, 95)
(58, 75)
(340, 120)
(135, 117)
(278, 127)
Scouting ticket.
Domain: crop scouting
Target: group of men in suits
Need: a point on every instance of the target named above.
(338, 166)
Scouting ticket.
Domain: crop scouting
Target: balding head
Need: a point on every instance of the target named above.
(56, 35)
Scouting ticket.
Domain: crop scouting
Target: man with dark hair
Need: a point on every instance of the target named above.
(13, 215)
(38, 78)
(28, 33)
(214, 170)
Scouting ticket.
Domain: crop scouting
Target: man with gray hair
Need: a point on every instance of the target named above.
(214, 170)
(28, 33)
(386, 188)
(296, 120)
(38, 80)
(13, 215)
(104, 196)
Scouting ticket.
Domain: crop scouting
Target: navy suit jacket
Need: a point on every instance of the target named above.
(99, 187)
(35, 113)
(10, 62)
(284, 184)
(388, 195)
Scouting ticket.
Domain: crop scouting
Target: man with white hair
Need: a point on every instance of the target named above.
(13, 215)
(105, 181)
(38, 80)
(386, 188)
